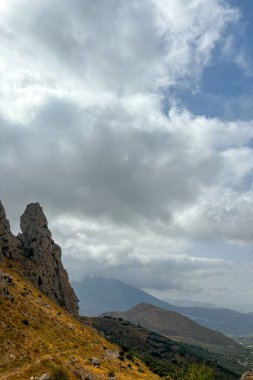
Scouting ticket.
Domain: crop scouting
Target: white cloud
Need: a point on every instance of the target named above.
(84, 132)
(86, 50)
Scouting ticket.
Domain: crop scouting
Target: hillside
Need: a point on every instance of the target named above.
(98, 295)
(161, 354)
(37, 335)
(173, 325)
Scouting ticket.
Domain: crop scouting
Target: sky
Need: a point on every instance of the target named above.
(131, 122)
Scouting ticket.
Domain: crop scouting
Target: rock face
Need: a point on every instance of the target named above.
(38, 246)
(39, 256)
(8, 242)
(5, 281)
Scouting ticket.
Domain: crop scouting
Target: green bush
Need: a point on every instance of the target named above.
(199, 372)
(59, 373)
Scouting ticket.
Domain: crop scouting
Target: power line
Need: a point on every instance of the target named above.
(234, 278)
(235, 263)
(238, 276)
(233, 291)
(244, 257)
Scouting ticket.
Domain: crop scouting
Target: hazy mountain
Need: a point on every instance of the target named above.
(98, 295)
(189, 303)
(173, 325)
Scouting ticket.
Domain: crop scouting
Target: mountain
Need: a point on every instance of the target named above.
(38, 256)
(228, 321)
(189, 303)
(164, 356)
(173, 325)
(98, 295)
(40, 333)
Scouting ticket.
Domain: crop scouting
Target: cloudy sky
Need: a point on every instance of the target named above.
(131, 122)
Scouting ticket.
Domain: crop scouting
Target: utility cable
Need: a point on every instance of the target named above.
(233, 291)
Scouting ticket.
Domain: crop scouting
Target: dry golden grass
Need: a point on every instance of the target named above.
(36, 335)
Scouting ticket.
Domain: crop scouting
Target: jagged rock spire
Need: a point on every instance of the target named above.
(4, 223)
(8, 242)
(36, 236)
(38, 246)
(39, 257)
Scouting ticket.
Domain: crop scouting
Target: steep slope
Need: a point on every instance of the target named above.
(174, 325)
(163, 355)
(36, 335)
(98, 295)
(38, 256)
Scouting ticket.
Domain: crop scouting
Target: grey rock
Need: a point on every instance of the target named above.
(48, 274)
(5, 282)
(46, 376)
(8, 242)
(39, 257)
(95, 362)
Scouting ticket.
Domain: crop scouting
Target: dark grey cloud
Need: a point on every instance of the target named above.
(100, 166)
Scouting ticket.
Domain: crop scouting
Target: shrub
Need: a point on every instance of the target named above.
(199, 372)
(59, 373)
(129, 356)
(111, 373)
(26, 322)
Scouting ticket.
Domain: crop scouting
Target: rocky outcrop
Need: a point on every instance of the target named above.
(38, 246)
(5, 282)
(38, 255)
(8, 242)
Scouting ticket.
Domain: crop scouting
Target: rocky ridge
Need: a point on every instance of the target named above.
(38, 256)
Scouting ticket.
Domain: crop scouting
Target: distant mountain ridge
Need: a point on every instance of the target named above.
(98, 295)
(173, 325)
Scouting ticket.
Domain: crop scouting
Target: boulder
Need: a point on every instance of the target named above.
(46, 376)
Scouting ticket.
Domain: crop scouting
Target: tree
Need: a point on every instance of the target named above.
(199, 372)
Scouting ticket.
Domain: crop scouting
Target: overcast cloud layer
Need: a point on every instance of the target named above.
(134, 184)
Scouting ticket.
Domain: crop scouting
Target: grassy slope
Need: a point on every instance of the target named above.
(36, 335)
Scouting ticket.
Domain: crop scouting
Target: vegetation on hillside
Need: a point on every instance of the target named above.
(164, 356)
